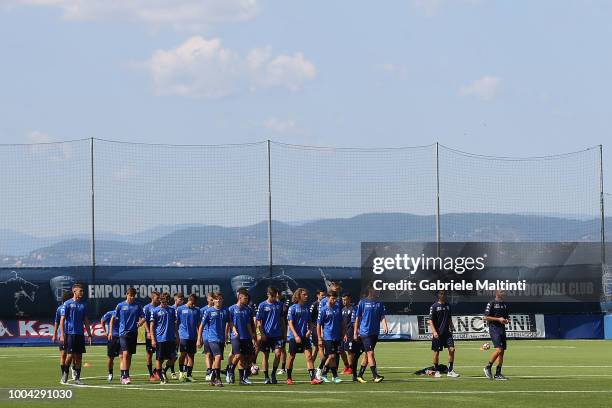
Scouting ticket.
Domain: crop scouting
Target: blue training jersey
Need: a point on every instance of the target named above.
(74, 315)
(324, 302)
(58, 316)
(242, 318)
(188, 319)
(370, 313)
(205, 328)
(270, 315)
(128, 315)
(299, 315)
(216, 320)
(106, 318)
(165, 323)
(330, 318)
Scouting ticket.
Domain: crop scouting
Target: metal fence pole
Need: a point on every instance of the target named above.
(438, 197)
(602, 207)
(93, 223)
(270, 261)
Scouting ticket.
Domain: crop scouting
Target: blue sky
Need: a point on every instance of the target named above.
(507, 78)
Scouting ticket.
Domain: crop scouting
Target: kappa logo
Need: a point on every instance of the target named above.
(4, 331)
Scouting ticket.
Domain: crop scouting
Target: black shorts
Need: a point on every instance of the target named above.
(74, 344)
(113, 347)
(295, 348)
(498, 337)
(315, 338)
(271, 343)
(166, 350)
(331, 347)
(188, 346)
(206, 347)
(149, 346)
(446, 340)
(350, 346)
(242, 346)
(216, 348)
(369, 342)
(61, 347)
(128, 342)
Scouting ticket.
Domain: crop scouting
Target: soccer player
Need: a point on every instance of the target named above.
(179, 299)
(441, 327)
(113, 346)
(74, 318)
(206, 351)
(58, 330)
(150, 350)
(242, 338)
(128, 316)
(370, 312)
(349, 348)
(314, 315)
(330, 330)
(298, 320)
(164, 337)
(496, 314)
(286, 303)
(188, 317)
(333, 286)
(271, 329)
(217, 320)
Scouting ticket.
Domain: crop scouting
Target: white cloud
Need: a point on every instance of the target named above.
(176, 13)
(205, 69)
(279, 125)
(485, 88)
(43, 145)
(431, 7)
(397, 70)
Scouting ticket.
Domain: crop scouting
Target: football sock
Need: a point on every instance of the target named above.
(498, 370)
(450, 366)
(362, 370)
(334, 371)
(374, 372)
(322, 363)
(150, 368)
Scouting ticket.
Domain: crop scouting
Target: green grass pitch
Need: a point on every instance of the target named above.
(542, 373)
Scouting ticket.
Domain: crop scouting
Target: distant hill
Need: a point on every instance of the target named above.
(327, 242)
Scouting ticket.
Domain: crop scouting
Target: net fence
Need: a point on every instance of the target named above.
(168, 205)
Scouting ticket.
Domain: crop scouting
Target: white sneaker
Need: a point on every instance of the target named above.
(72, 373)
(281, 371)
(452, 374)
(173, 376)
(208, 377)
(110, 378)
(181, 376)
(318, 374)
(437, 374)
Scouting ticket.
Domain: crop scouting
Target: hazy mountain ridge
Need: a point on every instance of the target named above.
(320, 242)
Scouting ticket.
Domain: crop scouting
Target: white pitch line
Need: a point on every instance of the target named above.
(318, 391)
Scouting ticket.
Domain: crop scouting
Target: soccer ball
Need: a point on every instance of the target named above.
(254, 369)
(485, 346)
